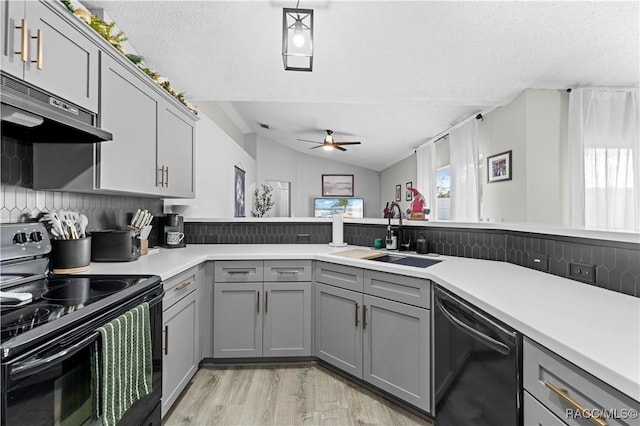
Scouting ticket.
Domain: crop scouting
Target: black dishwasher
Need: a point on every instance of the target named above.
(477, 367)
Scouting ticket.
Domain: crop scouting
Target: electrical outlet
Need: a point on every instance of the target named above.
(582, 272)
(538, 261)
(303, 238)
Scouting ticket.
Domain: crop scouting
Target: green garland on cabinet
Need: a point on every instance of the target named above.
(116, 40)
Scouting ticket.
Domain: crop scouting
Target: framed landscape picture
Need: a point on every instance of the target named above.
(409, 194)
(337, 185)
(499, 167)
(398, 193)
(238, 208)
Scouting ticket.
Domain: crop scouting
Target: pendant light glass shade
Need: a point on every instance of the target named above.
(297, 39)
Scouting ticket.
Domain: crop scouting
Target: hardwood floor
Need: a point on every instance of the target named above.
(305, 394)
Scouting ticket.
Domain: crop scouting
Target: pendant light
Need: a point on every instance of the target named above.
(297, 39)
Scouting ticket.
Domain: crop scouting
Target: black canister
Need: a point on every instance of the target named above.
(69, 256)
(421, 245)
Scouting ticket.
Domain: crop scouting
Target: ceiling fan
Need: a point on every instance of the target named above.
(329, 143)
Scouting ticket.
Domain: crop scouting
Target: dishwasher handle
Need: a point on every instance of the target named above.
(492, 343)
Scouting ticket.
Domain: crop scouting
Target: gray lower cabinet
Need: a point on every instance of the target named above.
(383, 342)
(560, 393)
(338, 328)
(181, 333)
(396, 349)
(262, 319)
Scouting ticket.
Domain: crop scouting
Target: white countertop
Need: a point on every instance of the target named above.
(598, 330)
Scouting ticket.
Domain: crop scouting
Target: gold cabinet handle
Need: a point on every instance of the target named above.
(24, 41)
(562, 393)
(266, 302)
(238, 272)
(183, 285)
(161, 183)
(166, 340)
(287, 271)
(258, 303)
(364, 317)
(39, 37)
(166, 181)
(357, 319)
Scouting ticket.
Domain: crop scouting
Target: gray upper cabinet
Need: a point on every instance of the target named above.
(396, 349)
(129, 109)
(176, 151)
(44, 46)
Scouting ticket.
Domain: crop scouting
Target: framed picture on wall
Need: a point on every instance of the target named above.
(238, 206)
(398, 193)
(499, 167)
(409, 194)
(337, 185)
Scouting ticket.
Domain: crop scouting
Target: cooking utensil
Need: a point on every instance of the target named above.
(82, 225)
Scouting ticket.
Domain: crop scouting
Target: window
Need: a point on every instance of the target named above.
(443, 193)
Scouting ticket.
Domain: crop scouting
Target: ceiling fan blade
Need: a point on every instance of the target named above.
(339, 147)
(306, 140)
(318, 146)
(347, 143)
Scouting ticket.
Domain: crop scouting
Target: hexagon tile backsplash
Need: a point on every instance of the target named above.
(19, 202)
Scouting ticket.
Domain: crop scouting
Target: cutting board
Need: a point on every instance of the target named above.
(361, 254)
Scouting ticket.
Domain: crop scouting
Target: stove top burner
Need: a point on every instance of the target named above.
(83, 290)
(26, 318)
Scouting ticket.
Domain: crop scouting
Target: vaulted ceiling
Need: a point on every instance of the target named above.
(391, 74)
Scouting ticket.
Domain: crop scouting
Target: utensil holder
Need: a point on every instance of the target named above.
(70, 256)
(144, 246)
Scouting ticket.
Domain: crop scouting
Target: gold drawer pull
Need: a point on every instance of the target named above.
(24, 41)
(562, 394)
(39, 36)
(183, 285)
(238, 272)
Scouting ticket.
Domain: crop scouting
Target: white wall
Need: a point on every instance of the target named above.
(277, 162)
(398, 174)
(216, 155)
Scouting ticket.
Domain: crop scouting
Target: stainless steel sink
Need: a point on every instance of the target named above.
(418, 262)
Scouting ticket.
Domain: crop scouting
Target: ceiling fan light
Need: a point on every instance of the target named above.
(328, 147)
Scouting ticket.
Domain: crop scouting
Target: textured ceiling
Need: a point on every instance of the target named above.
(391, 74)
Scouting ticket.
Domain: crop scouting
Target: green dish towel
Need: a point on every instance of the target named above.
(126, 365)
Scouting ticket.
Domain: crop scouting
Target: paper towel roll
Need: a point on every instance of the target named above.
(338, 230)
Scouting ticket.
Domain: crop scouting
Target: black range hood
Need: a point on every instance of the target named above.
(33, 115)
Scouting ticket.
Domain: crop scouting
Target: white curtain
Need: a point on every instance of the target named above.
(463, 142)
(426, 175)
(604, 155)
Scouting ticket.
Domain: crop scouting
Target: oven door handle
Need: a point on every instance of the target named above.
(35, 364)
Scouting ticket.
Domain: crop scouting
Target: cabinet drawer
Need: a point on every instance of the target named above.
(413, 291)
(179, 286)
(238, 271)
(536, 414)
(287, 270)
(346, 277)
(563, 388)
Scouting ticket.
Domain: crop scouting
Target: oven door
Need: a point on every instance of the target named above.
(54, 384)
(51, 387)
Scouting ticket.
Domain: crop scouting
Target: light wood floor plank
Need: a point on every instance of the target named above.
(305, 394)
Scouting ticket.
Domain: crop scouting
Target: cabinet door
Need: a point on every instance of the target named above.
(287, 319)
(181, 338)
(176, 152)
(396, 349)
(338, 328)
(237, 324)
(129, 109)
(536, 414)
(11, 15)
